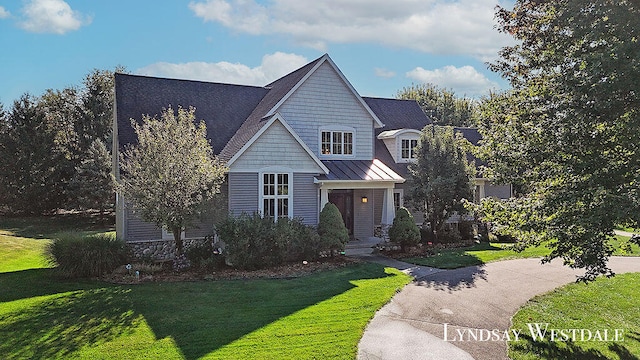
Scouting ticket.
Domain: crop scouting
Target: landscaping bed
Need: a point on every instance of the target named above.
(166, 274)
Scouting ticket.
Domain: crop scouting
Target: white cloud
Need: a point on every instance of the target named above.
(465, 80)
(432, 26)
(4, 13)
(384, 73)
(273, 66)
(51, 16)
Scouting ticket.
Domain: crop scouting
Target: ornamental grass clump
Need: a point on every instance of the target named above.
(78, 256)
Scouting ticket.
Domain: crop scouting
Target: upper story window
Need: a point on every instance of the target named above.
(336, 142)
(408, 150)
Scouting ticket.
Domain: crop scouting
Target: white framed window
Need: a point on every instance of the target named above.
(398, 198)
(337, 142)
(408, 149)
(276, 195)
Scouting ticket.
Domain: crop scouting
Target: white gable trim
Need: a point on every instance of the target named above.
(277, 117)
(326, 58)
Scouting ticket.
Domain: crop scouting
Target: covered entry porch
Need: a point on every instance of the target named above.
(363, 191)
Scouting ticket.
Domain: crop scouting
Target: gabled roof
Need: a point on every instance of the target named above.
(398, 114)
(279, 91)
(268, 123)
(223, 107)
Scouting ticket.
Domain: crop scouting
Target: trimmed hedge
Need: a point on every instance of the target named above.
(255, 242)
(78, 256)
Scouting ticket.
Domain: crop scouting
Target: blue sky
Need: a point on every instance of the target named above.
(381, 46)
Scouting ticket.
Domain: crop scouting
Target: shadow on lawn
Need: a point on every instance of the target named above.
(568, 350)
(199, 316)
(203, 317)
(58, 326)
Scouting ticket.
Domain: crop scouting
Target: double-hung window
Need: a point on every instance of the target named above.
(408, 150)
(275, 197)
(336, 142)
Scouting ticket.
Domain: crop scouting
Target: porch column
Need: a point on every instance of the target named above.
(324, 197)
(388, 208)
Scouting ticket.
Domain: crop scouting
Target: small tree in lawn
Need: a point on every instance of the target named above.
(441, 177)
(172, 172)
(333, 234)
(404, 229)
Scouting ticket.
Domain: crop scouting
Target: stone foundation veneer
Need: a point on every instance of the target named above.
(382, 231)
(159, 250)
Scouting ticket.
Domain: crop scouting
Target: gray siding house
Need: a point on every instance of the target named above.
(291, 146)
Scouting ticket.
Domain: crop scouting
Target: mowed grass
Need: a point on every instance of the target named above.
(607, 303)
(483, 253)
(320, 316)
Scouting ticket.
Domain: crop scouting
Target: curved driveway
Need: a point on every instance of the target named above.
(411, 326)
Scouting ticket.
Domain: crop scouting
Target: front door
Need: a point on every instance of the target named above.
(343, 200)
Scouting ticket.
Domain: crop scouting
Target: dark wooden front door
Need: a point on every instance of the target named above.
(343, 199)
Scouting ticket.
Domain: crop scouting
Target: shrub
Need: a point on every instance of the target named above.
(449, 234)
(77, 255)
(205, 255)
(404, 230)
(253, 242)
(466, 229)
(333, 234)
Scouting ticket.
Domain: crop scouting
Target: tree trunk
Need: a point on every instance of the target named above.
(177, 233)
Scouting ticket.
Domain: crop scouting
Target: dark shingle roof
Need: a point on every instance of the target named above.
(223, 107)
(471, 134)
(398, 114)
(254, 122)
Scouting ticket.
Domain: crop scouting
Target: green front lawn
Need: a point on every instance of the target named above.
(317, 316)
(477, 254)
(604, 304)
(482, 253)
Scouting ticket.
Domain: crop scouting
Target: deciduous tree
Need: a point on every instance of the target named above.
(171, 173)
(568, 130)
(441, 177)
(442, 105)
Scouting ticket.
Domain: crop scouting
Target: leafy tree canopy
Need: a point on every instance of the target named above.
(567, 132)
(442, 176)
(172, 172)
(443, 106)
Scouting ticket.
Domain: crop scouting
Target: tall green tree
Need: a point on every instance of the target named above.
(30, 172)
(567, 132)
(96, 97)
(442, 105)
(441, 177)
(93, 184)
(171, 174)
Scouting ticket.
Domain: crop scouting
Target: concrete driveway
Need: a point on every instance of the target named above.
(412, 325)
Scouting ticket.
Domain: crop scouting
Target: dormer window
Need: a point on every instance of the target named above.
(408, 150)
(336, 142)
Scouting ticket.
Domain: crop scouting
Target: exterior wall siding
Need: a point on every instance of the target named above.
(136, 229)
(276, 147)
(497, 191)
(243, 193)
(363, 222)
(305, 198)
(325, 100)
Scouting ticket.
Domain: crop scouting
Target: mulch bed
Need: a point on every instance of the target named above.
(426, 250)
(287, 271)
